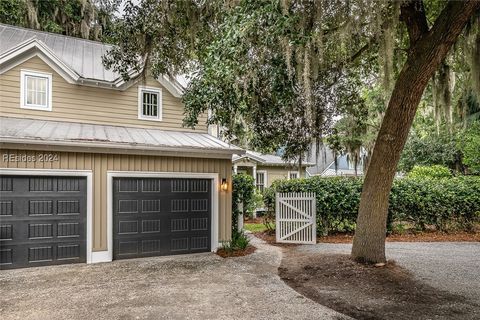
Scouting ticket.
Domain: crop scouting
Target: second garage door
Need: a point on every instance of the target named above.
(160, 216)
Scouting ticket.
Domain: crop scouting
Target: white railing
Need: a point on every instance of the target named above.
(295, 218)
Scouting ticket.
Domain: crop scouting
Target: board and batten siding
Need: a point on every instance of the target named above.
(101, 163)
(77, 103)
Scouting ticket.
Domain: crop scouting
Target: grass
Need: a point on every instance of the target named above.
(254, 227)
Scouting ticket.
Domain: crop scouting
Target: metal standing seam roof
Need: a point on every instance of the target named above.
(79, 59)
(30, 131)
(266, 159)
(81, 55)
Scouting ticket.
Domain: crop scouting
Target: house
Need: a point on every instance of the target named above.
(94, 168)
(344, 168)
(266, 168)
(324, 163)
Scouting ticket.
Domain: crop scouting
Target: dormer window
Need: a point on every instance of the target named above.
(36, 90)
(149, 103)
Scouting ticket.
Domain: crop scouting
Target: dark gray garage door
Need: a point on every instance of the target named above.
(42, 221)
(161, 216)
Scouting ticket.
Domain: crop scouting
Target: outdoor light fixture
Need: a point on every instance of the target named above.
(224, 185)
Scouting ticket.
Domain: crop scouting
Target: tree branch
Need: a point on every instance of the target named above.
(413, 15)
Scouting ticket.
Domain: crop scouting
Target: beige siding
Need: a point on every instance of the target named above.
(273, 172)
(101, 163)
(78, 103)
(278, 173)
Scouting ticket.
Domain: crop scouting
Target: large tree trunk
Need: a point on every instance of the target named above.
(428, 49)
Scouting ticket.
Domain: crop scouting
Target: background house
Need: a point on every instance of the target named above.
(324, 163)
(266, 168)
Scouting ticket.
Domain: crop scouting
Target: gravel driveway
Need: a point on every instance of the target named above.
(201, 286)
(449, 266)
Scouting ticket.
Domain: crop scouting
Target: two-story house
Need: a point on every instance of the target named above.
(94, 168)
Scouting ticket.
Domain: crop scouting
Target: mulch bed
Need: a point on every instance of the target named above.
(368, 292)
(429, 236)
(236, 253)
(270, 239)
(418, 237)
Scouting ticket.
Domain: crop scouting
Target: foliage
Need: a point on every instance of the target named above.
(337, 200)
(88, 19)
(277, 72)
(435, 171)
(12, 12)
(470, 147)
(426, 147)
(243, 191)
(257, 201)
(443, 203)
(274, 68)
(239, 241)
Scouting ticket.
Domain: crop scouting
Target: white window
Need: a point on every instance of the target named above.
(261, 180)
(36, 90)
(293, 175)
(149, 104)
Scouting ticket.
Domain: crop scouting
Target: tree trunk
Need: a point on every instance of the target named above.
(428, 49)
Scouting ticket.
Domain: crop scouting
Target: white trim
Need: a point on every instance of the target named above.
(158, 91)
(69, 173)
(33, 47)
(13, 57)
(172, 86)
(297, 172)
(100, 256)
(30, 73)
(144, 174)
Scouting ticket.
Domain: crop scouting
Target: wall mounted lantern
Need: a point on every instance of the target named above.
(224, 185)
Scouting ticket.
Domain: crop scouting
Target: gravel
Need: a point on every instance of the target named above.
(450, 266)
(203, 286)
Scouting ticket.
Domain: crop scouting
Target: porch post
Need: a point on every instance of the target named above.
(254, 172)
(235, 169)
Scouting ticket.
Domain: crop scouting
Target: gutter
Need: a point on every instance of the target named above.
(117, 148)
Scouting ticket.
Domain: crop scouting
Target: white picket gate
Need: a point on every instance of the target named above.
(295, 218)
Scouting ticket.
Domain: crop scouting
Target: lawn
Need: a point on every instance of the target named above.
(255, 227)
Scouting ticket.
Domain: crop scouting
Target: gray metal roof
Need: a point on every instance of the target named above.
(30, 131)
(82, 56)
(266, 159)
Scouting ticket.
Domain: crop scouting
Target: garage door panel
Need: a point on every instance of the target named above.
(43, 221)
(161, 216)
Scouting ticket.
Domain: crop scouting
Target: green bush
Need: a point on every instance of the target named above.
(424, 202)
(243, 191)
(435, 171)
(239, 241)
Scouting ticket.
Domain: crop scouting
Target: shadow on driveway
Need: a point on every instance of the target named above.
(202, 286)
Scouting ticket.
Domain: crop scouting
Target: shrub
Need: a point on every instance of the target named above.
(442, 203)
(243, 191)
(435, 172)
(239, 241)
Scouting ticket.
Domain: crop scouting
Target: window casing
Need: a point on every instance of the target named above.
(293, 175)
(261, 180)
(36, 90)
(149, 103)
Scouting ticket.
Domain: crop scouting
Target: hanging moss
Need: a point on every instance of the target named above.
(475, 61)
(386, 48)
(443, 85)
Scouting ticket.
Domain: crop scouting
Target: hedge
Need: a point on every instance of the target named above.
(423, 202)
